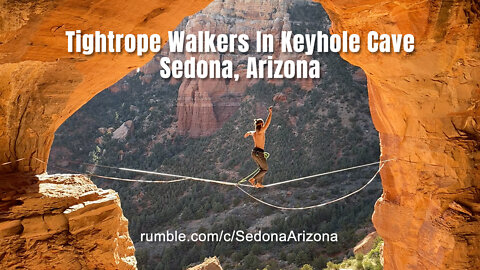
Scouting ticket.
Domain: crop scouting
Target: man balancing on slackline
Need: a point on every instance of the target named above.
(258, 152)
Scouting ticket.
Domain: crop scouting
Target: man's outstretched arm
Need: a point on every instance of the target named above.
(248, 134)
(269, 119)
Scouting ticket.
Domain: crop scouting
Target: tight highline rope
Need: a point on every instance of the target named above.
(316, 205)
(233, 183)
(237, 185)
(11, 162)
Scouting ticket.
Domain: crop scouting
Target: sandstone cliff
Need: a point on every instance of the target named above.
(367, 243)
(42, 84)
(61, 222)
(426, 106)
(204, 105)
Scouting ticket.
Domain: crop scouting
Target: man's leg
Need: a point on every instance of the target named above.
(252, 180)
(262, 164)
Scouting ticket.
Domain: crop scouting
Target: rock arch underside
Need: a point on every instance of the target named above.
(425, 105)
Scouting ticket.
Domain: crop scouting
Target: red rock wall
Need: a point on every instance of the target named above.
(205, 105)
(61, 222)
(426, 106)
(42, 84)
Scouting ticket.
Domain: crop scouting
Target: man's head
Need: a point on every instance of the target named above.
(258, 123)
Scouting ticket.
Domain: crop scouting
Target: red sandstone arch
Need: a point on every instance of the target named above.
(426, 105)
(42, 84)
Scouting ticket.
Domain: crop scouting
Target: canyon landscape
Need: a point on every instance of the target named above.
(425, 106)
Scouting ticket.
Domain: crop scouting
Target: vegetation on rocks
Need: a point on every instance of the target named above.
(323, 129)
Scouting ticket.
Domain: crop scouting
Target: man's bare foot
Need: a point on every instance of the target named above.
(258, 185)
(252, 181)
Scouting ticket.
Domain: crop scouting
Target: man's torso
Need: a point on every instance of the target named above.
(259, 139)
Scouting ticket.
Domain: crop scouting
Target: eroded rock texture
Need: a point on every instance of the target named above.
(208, 264)
(41, 84)
(204, 105)
(426, 106)
(61, 222)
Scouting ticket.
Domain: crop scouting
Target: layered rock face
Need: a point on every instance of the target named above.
(367, 243)
(208, 264)
(426, 106)
(42, 84)
(61, 222)
(205, 105)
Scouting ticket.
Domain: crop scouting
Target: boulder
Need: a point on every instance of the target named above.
(209, 264)
(61, 222)
(123, 131)
(367, 243)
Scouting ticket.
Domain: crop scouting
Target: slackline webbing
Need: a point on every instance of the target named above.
(238, 185)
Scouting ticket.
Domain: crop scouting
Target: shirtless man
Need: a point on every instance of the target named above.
(258, 152)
